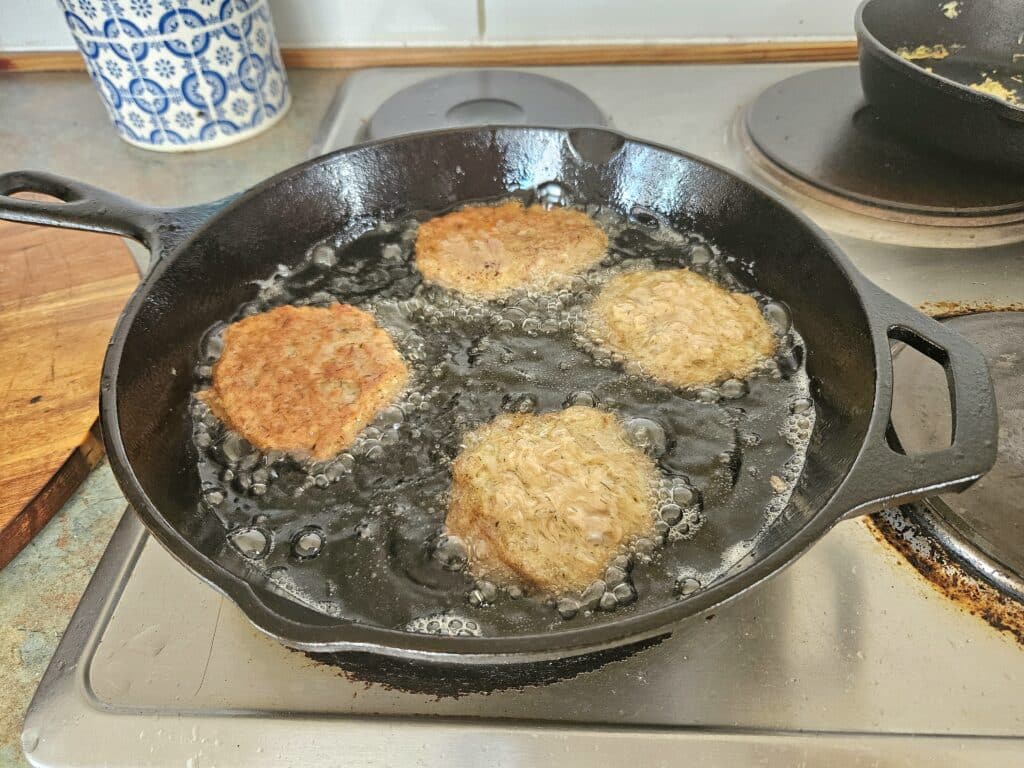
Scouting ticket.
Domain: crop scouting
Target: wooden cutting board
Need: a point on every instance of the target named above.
(60, 295)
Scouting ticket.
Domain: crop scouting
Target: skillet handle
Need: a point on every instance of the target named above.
(96, 210)
(882, 477)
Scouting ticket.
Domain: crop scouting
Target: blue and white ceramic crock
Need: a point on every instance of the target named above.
(182, 74)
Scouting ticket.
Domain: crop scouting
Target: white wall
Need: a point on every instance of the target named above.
(527, 21)
(27, 25)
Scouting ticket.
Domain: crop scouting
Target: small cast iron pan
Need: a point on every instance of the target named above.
(939, 107)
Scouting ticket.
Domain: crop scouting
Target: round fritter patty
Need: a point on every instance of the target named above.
(549, 500)
(679, 327)
(305, 380)
(490, 251)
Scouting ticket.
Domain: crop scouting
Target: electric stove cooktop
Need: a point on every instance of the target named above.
(850, 657)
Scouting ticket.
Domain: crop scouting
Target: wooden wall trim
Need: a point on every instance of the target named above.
(504, 55)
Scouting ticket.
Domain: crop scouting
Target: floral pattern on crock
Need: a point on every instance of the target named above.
(184, 72)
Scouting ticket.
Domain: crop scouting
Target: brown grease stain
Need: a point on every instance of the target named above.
(968, 593)
(941, 310)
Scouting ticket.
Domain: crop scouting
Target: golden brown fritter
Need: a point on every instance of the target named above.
(679, 327)
(549, 500)
(305, 380)
(490, 251)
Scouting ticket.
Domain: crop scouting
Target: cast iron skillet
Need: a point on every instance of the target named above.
(937, 107)
(207, 256)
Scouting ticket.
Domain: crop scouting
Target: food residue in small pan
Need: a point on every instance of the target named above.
(993, 87)
(932, 52)
(522, 465)
(991, 83)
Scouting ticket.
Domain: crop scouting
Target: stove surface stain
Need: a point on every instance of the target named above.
(969, 593)
(943, 310)
(897, 530)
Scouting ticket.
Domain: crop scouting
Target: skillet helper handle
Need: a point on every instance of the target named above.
(882, 477)
(90, 208)
(83, 207)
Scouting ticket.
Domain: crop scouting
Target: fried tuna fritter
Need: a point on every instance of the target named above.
(305, 380)
(489, 251)
(549, 500)
(679, 327)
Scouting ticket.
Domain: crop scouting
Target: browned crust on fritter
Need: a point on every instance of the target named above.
(490, 251)
(305, 380)
(679, 327)
(548, 500)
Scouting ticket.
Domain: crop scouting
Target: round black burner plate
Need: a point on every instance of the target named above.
(817, 127)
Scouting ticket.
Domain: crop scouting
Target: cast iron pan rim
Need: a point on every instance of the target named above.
(879, 50)
(345, 635)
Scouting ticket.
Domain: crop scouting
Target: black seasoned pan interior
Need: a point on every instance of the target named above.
(280, 222)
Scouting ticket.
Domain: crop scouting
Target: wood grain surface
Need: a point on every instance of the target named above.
(60, 295)
(506, 55)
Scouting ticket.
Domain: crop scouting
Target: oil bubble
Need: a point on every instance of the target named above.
(800, 405)
(308, 543)
(446, 624)
(643, 546)
(708, 396)
(733, 389)
(592, 595)
(552, 194)
(567, 607)
(700, 255)
(671, 513)
(750, 439)
(625, 562)
(234, 447)
(608, 602)
(214, 497)
(778, 316)
(488, 590)
(624, 593)
(686, 585)
(451, 552)
(682, 494)
(614, 576)
(249, 461)
(213, 342)
(647, 435)
(251, 541)
(520, 403)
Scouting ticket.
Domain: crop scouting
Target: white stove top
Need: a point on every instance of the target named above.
(849, 657)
